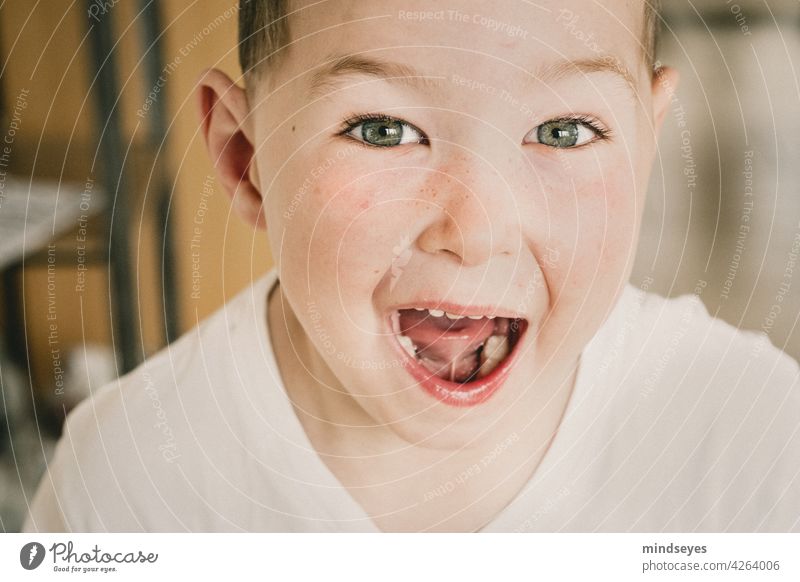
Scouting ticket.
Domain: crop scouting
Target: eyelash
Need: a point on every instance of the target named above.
(353, 121)
(603, 133)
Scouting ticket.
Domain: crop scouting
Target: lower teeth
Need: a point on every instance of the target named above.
(408, 345)
(493, 351)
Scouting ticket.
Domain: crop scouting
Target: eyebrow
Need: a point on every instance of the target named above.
(603, 64)
(390, 71)
(338, 67)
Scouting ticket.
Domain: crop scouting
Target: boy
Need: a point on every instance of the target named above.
(448, 342)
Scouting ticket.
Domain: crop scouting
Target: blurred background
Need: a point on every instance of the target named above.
(115, 237)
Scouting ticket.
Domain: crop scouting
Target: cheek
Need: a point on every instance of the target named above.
(593, 229)
(349, 223)
(607, 213)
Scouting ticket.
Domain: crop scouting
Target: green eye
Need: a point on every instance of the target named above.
(564, 133)
(384, 132)
(559, 134)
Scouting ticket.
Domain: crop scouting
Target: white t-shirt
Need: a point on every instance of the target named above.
(677, 422)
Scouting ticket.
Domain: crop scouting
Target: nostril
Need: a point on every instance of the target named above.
(453, 254)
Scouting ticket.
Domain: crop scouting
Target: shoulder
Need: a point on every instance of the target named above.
(131, 454)
(718, 409)
(678, 355)
(675, 335)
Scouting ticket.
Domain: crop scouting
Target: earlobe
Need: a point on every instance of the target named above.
(665, 83)
(224, 116)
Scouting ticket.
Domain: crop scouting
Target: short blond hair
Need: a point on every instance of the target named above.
(264, 32)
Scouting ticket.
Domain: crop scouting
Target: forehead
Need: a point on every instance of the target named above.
(514, 37)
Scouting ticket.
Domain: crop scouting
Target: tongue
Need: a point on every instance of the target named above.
(445, 346)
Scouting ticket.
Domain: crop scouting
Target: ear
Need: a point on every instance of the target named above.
(225, 122)
(665, 83)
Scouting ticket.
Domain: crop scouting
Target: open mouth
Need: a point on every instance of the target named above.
(459, 357)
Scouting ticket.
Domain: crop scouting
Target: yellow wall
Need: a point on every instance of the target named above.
(45, 51)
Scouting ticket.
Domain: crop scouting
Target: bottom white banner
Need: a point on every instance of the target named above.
(401, 557)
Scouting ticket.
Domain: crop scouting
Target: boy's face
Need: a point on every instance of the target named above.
(486, 176)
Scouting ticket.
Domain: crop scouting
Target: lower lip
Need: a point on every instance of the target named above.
(454, 393)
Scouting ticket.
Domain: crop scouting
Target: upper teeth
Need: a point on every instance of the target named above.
(448, 315)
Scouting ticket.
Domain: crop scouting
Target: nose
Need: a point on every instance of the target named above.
(473, 215)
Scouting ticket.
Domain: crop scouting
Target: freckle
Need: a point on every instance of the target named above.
(293, 128)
